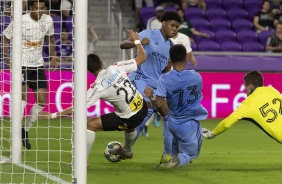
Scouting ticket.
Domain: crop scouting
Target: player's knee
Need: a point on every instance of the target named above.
(93, 125)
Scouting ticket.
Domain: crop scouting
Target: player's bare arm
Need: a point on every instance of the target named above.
(51, 43)
(65, 113)
(158, 101)
(141, 55)
(6, 52)
(191, 58)
(128, 44)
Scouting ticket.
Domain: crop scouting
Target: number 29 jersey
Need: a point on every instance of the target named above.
(113, 85)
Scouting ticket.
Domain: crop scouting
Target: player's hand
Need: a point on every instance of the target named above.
(205, 35)
(44, 115)
(133, 35)
(207, 133)
(148, 92)
(194, 62)
(53, 64)
(145, 41)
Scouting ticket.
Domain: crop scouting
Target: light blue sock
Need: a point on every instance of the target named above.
(141, 126)
(167, 137)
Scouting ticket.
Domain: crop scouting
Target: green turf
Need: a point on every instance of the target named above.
(243, 154)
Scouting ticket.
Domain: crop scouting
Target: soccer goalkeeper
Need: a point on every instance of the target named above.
(263, 107)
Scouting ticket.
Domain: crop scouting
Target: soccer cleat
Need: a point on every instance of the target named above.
(174, 162)
(121, 153)
(25, 140)
(145, 133)
(165, 159)
(156, 121)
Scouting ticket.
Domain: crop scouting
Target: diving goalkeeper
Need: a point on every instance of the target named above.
(263, 107)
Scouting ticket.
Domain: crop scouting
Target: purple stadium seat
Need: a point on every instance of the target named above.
(231, 4)
(225, 35)
(57, 24)
(191, 13)
(252, 13)
(69, 23)
(244, 36)
(199, 39)
(252, 4)
(252, 47)
(194, 46)
(7, 20)
(45, 56)
(213, 4)
(230, 46)
(170, 8)
(242, 24)
(263, 36)
(146, 13)
(200, 23)
(219, 24)
(208, 46)
(214, 13)
(237, 13)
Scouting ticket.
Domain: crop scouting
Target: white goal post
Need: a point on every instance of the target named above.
(78, 172)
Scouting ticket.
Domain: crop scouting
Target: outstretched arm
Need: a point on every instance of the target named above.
(141, 55)
(65, 113)
(220, 128)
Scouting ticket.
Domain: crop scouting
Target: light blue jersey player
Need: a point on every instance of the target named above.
(181, 90)
(156, 44)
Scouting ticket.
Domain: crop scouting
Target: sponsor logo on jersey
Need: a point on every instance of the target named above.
(33, 44)
(123, 127)
(108, 82)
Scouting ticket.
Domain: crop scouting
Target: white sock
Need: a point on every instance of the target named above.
(90, 137)
(129, 140)
(33, 116)
(23, 106)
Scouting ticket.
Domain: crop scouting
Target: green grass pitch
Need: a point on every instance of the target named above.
(243, 154)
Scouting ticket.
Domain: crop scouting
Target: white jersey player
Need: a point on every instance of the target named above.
(36, 27)
(183, 39)
(113, 85)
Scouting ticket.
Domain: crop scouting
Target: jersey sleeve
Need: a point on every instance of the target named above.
(225, 124)
(8, 32)
(92, 95)
(50, 30)
(144, 34)
(161, 88)
(241, 112)
(127, 66)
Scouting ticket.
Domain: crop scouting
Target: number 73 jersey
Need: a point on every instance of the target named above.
(113, 85)
(264, 108)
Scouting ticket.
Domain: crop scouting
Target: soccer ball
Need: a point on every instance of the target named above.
(110, 157)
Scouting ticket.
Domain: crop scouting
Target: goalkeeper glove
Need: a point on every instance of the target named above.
(207, 133)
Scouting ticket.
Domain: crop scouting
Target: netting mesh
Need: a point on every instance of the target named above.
(49, 159)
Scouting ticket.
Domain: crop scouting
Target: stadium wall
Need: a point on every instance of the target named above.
(222, 91)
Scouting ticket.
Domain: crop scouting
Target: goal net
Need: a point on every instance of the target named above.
(51, 154)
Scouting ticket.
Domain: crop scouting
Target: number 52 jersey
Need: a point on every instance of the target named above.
(113, 85)
(263, 108)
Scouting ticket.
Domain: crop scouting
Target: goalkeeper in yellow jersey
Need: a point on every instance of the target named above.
(263, 107)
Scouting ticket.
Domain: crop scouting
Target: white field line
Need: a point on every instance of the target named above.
(38, 171)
